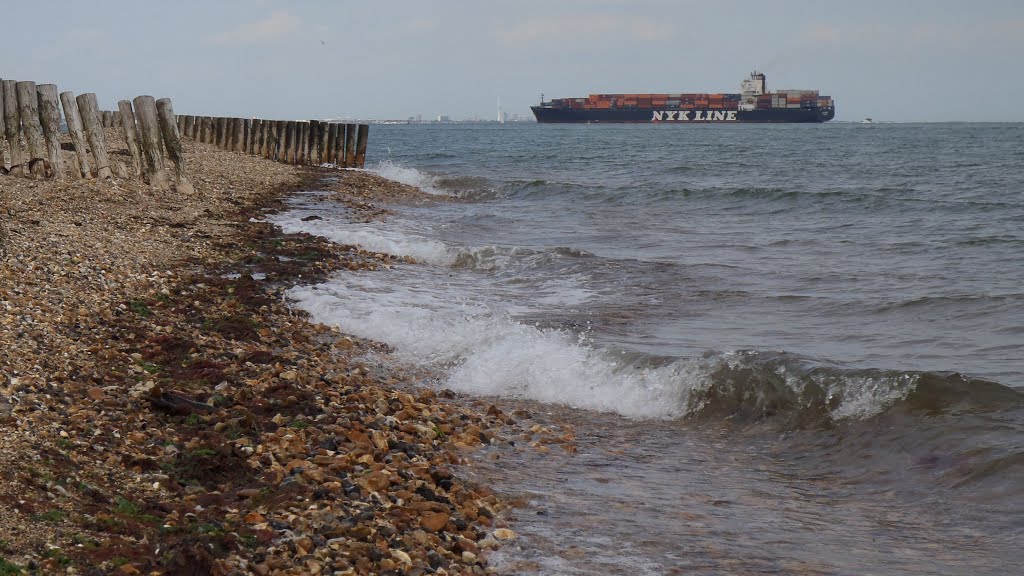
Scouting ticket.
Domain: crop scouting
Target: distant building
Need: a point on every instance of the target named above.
(444, 118)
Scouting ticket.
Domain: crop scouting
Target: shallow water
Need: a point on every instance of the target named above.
(785, 349)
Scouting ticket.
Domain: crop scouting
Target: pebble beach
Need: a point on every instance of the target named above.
(164, 411)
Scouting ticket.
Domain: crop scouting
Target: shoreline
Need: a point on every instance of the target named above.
(163, 411)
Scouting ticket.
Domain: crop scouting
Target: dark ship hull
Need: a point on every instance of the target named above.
(551, 115)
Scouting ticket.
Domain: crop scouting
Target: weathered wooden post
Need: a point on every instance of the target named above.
(272, 138)
(342, 136)
(28, 103)
(219, 130)
(254, 138)
(249, 134)
(3, 130)
(256, 147)
(362, 139)
(350, 145)
(172, 141)
(49, 116)
(12, 126)
(89, 110)
(235, 132)
(302, 148)
(149, 133)
(240, 135)
(243, 143)
(179, 121)
(229, 133)
(322, 134)
(314, 141)
(289, 142)
(131, 135)
(332, 141)
(204, 129)
(108, 119)
(280, 127)
(74, 122)
(302, 141)
(311, 142)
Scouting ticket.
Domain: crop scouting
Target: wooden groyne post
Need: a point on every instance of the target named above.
(91, 122)
(172, 142)
(49, 116)
(28, 106)
(149, 141)
(131, 135)
(361, 141)
(350, 145)
(12, 126)
(77, 133)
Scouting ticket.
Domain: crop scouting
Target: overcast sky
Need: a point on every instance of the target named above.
(902, 60)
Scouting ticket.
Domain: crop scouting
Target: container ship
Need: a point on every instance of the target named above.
(754, 103)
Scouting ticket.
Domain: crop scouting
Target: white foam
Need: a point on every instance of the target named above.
(407, 175)
(485, 352)
(372, 237)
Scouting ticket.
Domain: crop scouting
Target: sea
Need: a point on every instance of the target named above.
(782, 349)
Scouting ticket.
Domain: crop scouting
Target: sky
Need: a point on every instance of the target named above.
(898, 60)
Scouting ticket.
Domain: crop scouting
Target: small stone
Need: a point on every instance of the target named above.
(254, 518)
(504, 534)
(402, 557)
(434, 521)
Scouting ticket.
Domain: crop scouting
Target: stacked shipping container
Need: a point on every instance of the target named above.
(695, 101)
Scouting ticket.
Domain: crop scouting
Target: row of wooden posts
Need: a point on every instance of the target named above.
(30, 120)
(294, 142)
(30, 124)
